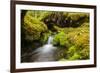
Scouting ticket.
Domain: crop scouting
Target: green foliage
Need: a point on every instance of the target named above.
(73, 53)
(33, 27)
(71, 50)
(39, 14)
(61, 40)
(79, 39)
(85, 53)
(76, 56)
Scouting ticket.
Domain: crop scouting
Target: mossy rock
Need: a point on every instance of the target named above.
(75, 16)
(33, 28)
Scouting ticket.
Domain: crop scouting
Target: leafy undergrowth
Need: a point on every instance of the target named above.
(75, 41)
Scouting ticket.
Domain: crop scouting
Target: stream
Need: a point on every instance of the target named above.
(45, 53)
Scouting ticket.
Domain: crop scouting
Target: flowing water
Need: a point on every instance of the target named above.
(50, 40)
(45, 53)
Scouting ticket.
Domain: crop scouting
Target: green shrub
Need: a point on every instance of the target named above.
(60, 39)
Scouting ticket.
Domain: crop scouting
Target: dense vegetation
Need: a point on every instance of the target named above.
(69, 29)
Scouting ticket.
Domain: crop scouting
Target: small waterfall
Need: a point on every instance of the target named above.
(50, 39)
(46, 52)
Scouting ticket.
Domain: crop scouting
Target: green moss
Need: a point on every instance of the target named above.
(77, 16)
(33, 27)
(85, 53)
(61, 39)
(76, 56)
(72, 50)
